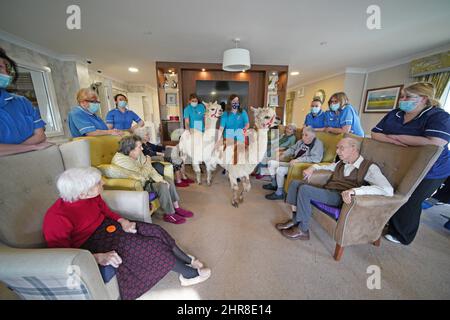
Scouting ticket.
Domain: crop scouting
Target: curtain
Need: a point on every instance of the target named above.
(439, 80)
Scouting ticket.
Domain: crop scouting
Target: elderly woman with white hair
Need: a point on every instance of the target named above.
(156, 153)
(309, 149)
(143, 253)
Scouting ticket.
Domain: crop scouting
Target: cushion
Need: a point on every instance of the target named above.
(112, 171)
(329, 210)
(107, 272)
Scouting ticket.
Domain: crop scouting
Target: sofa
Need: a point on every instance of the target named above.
(28, 189)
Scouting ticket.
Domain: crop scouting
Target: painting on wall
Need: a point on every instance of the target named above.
(382, 99)
(171, 99)
(273, 100)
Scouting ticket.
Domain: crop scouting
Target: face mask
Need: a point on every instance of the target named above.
(235, 105)
(194, 104)
(407, 106)
(315, 110)
(122, 104)
(334, 107)
(94, 107)
(5, 80)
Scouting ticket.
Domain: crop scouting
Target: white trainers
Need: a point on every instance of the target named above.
(204, 274)
(195, 263)
(391, 238)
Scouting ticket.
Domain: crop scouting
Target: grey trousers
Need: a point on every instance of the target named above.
(167, 195)
(300, 195)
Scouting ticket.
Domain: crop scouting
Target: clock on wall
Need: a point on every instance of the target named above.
(320, 94)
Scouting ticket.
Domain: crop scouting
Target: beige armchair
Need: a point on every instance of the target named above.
(27, 190)
(363, 220)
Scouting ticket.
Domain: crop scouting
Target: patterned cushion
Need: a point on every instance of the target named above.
(47, 288)
(329, 210)
(112, 171)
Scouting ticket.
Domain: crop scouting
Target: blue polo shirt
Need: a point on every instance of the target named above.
(18, 118)
(349, 117)
(315, 120)
(233, 123)
(196, 116)
(332, 119)
(82, 121)
(431, 122)
(121, 120)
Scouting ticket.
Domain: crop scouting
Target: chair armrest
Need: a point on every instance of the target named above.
(363, 220)
(319, 178)
(76, 154)
(50, 265)
(132, 205)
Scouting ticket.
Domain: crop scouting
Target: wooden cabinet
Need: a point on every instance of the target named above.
(186, 75)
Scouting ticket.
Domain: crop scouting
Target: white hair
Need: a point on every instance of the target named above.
(74, 182)
(293, 126)
(142, 131)
(310, 130)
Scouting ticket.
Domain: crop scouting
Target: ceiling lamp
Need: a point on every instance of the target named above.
(237, 59)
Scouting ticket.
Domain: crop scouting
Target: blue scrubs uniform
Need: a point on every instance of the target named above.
(18, 118)
(121, 120)
(315, 121)
(233, 124)
(332, 119)
(196, 116)
(431, 122)
(82, 121)
(349, 117)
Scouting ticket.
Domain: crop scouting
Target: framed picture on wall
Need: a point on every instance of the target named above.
(171, 99)
(382, 99)
(273, 100)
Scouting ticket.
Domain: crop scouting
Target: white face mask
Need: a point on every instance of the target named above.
(194, 104)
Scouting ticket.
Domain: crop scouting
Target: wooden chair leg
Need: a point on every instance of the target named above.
(338, 252)
(377, 243)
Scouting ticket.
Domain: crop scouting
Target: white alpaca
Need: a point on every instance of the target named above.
(247, 159)
(198, 147)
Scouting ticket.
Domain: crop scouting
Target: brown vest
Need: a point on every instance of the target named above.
(354, 180)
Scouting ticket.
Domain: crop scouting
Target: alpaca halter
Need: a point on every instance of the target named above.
(215, 114)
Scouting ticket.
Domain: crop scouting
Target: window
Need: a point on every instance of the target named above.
(35, 83)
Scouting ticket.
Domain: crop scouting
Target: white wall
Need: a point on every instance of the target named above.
(398, 75)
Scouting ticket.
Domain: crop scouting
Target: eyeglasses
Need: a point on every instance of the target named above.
(92, 101)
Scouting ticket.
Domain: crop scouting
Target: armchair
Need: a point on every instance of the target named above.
(362, 221)
(102, 150)
(28, 189)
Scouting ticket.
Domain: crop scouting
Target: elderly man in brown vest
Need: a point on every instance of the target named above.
(352, 175)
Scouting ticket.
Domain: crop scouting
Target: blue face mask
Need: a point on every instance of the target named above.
(315, 110)
(334, 107)
(122, 104)
(407, 106)
(235, 105)
(5, 80)
(94, 107)
(194, 104)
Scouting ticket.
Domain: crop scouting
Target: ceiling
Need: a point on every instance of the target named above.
(117, 34)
